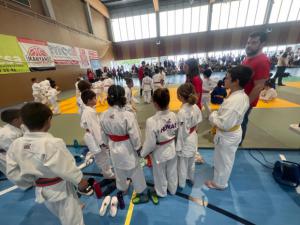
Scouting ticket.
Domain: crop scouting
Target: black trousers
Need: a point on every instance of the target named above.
(279, 74)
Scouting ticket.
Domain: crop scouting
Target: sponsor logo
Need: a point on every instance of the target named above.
(37, 55)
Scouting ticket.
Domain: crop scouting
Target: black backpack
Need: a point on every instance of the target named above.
(287, 173)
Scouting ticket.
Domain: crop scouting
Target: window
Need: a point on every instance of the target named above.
(134, 27)
(215, 18)
(171, 22)
(116, 29)
(183, 21)
(145, 26)
(163, 17)
(179, 21)
(240, 13)
(203, 18)
(152, 25)
(285, 10)
(195, 19)
(187, 15)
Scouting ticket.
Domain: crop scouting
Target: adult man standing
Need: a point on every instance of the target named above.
(260, 65)
(141, 76)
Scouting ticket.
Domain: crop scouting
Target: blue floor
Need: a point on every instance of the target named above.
(252, 195)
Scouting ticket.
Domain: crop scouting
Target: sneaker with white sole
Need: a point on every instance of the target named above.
(104, 205)
(113, 206)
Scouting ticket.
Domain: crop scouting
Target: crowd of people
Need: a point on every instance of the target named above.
(36, 158)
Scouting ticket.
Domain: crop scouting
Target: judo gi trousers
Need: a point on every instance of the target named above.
(136, 175)
(67, 210)
(165, 177)
(224, 155)
(186, 170)
(147, 96)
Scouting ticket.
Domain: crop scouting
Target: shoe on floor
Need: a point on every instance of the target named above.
(140, 199)
(105, 204)
(153, 196)
(88, 191)
(113, 206)
(121, 200)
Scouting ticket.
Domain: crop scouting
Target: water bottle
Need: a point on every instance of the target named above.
(76, 146)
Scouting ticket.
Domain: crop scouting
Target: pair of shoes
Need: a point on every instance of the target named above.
(281, 84)
(140, 199)
(113, 202)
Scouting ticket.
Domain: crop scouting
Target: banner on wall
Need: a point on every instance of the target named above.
(63, 54)
(37, 54)
(11, 56)
(94, 59)
(84, 60)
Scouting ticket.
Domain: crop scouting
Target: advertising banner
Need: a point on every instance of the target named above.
(37, 54)
(11, 56)
(84, 58)
(63, 54)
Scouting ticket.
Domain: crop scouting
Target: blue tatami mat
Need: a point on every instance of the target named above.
(252, 195)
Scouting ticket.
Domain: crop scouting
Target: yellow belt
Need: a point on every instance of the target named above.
(236, 127)
(214, 129)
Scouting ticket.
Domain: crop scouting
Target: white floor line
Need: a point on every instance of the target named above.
(8, 190)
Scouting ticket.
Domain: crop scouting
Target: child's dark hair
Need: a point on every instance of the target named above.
(241, 73)
(116, 96)
(207, 73)
(34, 115)
(193, 67)
(269, 83)
(220, 83)
(156, 70)
(161, 97)
(129, 81)
(187, 92)
(84, 85)
(87, 95)
(9, 115)
(33, 79)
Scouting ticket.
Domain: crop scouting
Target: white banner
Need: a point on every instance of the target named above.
(93, 55)
(63, 54)
(84, 58)
(36, 53)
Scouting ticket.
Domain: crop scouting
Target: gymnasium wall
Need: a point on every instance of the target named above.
(282, 33)
(31, 23)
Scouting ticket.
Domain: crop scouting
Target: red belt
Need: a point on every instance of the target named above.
(192, 129)
(44, 182)
(117, 138)
(165, 142)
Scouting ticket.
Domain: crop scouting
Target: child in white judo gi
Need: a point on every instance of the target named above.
(268, 93)
(106, 84)
(207, 87)
(147, 86)
(227, 121)
(52, 98)
(130, 101)
(41, 160)
(36, 90)
(82, 86)
(122, 134)
(189, 116)
(160, 138)
(8, 133)
(92, 137)
(44, 87)
(157, 80)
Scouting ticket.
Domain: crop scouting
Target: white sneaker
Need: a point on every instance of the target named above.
(113, 206)
(104, 205)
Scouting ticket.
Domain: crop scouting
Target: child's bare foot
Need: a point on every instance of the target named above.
(212, 185)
